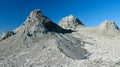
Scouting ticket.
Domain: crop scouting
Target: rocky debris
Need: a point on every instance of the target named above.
(7, 34)
(70, 22)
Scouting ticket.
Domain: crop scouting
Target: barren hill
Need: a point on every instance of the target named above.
(39, 42)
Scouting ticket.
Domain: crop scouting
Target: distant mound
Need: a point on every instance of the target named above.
(70, 22)
(108, 27)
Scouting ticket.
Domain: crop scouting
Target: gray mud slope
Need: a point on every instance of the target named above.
(39, 42)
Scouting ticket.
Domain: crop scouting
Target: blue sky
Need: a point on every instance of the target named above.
(91, 12)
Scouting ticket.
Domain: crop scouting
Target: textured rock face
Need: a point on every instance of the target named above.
(70, 22)
(39, 42)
